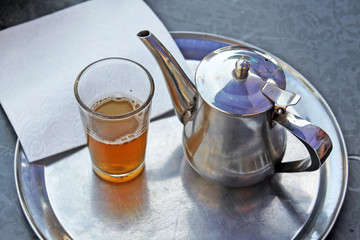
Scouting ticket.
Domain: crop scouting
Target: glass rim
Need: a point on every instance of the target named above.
(121, 116)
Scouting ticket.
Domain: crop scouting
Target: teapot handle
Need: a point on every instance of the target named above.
(315, 139)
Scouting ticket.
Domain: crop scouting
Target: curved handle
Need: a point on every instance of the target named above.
(315, 139)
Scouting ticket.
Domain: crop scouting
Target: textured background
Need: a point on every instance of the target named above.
(320, 39)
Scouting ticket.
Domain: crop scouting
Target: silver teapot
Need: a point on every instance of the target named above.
(235, 115)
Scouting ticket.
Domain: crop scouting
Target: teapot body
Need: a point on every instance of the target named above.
(235, 115)
(234, 151)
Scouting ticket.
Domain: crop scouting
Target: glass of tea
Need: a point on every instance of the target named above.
(114, 97)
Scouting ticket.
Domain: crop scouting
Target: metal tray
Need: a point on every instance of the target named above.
(63, 199)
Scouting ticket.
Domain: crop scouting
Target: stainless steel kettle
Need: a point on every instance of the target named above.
(235, 117)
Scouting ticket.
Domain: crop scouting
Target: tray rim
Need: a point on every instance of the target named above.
(58, 230)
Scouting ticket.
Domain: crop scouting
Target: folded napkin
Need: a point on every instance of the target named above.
(40, 60)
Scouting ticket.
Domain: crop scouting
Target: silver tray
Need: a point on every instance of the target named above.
(63, 199)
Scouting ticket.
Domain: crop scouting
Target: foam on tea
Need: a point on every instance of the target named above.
(115, 105)
(117, 130)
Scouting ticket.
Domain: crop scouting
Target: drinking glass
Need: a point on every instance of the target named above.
(114, 97)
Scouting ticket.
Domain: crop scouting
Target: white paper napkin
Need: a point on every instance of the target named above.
(41, 59)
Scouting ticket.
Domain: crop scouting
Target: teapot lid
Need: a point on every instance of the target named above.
(231, 78)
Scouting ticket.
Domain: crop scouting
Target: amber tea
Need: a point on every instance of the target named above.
(117, 146)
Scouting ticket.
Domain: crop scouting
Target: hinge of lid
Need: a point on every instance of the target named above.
(281, 98)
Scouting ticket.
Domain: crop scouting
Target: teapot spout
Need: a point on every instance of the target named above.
(182, 90)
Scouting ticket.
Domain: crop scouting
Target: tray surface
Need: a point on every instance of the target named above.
(63, 198)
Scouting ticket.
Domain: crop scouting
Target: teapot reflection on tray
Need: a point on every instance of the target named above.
(235, 115)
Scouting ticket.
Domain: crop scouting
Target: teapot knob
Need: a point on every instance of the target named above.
(242, 67)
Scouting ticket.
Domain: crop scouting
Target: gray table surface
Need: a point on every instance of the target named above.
(320, 39)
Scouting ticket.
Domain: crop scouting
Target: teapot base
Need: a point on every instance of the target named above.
(233, 179)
